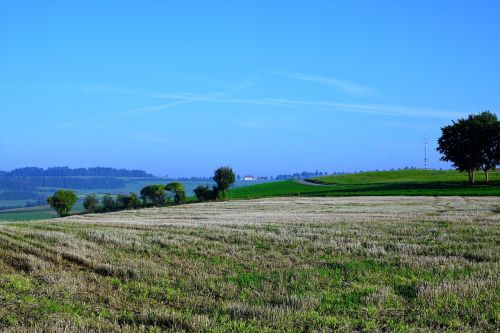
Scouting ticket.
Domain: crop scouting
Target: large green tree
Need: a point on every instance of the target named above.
(224, 177)
(62, 201)
(472, 143)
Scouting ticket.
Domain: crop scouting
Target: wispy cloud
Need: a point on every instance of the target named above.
(180, 99)
(109, 90)
(343, 86)
(375, 109)
(100, 121)
(389, 110)
(227, 97)
(220, 97)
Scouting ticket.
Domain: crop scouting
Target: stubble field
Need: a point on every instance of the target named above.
(283, 264)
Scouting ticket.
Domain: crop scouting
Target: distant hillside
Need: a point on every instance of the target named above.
(78, 172)
(400, 176)
(31, 183)
(398, 183)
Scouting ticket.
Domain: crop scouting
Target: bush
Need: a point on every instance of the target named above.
(178, 191)
(108, 203)
(219, 195)
(130, 201)
(90, 203)
(204, 193)
(134, 201)
(62, 201)
(154, 195)
(121, 201)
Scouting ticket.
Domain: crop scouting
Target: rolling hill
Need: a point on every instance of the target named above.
(400, 182)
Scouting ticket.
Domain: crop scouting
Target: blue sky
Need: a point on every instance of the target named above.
(181, 87)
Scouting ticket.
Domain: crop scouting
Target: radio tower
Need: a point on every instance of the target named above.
(425, 153)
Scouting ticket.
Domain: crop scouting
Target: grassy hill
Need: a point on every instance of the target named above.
(401, 182)
(403, 176)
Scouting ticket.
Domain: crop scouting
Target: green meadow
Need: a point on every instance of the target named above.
(401, 182)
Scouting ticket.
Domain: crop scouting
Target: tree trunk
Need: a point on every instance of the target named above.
(471, 176)
(486, 174)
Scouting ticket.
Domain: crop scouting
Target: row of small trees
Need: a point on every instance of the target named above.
(109, 203)
(156, 195)
(152, 195)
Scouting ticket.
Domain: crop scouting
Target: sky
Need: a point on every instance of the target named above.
(179, 88)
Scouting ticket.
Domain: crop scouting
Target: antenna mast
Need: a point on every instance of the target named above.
(425, 153)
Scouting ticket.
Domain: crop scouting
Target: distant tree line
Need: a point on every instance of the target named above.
(156, 195)
(78, 172)
(111, 203)
(191, 179)
(302, 175)
(31, 183)
(151, 196)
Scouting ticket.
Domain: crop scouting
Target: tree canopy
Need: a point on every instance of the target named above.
(224, 177)
(154, 195)
(130, 201)
(62, 201)
(472, 144)
(178, 191)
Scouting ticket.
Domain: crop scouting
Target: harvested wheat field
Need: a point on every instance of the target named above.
(285, 264)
